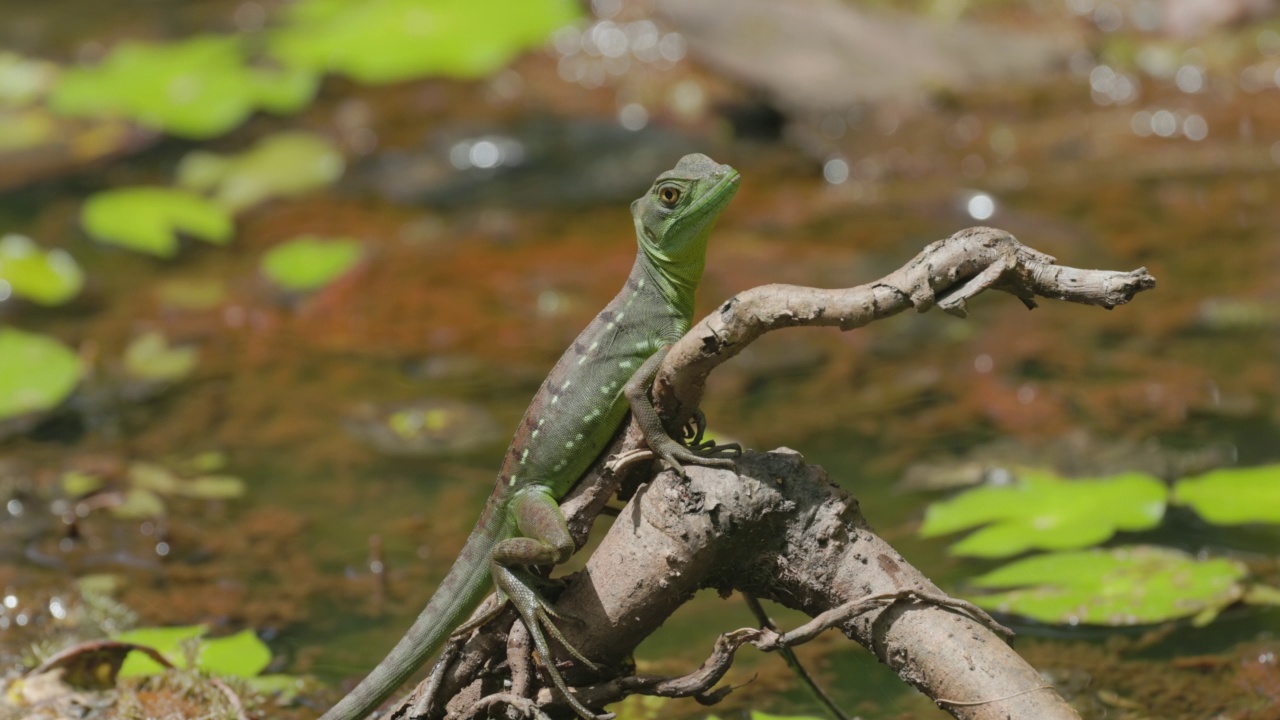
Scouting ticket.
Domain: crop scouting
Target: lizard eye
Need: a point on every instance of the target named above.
(669, 196)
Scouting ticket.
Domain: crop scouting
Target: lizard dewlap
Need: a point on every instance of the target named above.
(606, 372)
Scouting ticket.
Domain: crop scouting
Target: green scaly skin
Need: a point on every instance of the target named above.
(575, 414)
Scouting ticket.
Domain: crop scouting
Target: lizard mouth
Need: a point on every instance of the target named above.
(716, 192)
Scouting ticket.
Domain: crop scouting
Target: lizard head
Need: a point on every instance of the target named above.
(674, 218)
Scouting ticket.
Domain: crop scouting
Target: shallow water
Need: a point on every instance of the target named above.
(474, 301)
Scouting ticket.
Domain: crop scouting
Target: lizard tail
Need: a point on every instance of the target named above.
(458, 595)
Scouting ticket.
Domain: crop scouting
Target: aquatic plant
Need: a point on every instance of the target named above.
(309, 263)
(37, 373)
(149, 219)
(198, 88)
(1233, 496)
(384, 41)
(44, 277)
(1043, 511)
(240, 655)
(281, 165)
(1130, 585)
(149, 357)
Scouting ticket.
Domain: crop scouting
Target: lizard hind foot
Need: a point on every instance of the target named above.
(539, 618)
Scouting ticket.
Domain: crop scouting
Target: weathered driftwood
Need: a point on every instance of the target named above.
(774, 528)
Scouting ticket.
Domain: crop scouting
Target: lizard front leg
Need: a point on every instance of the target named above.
(655, 435)
(545, 540)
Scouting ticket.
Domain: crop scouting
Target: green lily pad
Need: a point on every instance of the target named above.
(384, 41)
(198, 88)
(158, 479)
(150, 357)
(241, 654)
(1120, 586)
(148, 219)
(45, 278)
(37, 373)
(309, 263)
(167, 641)
(139, 504)
(78, 484)
(283, 165)
(212, 487)
(1233, 496)
(1044, 511)
(150, 476)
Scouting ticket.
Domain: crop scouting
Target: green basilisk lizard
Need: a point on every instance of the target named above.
(578, 409)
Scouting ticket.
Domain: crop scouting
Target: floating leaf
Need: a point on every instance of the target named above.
(149, 357)
(1262, 595)
(79, 484)
(148, 219)
(383, 41)
(283, 165)
(36, 373)
(212, 487)
(1121, 586)
(198, 88)
(150, 476)
(45, 278)
(308, 263)
(1046, 512)
(208, 461)
(242, 655)
(1233, 496)
(167, 641)
(139, 504)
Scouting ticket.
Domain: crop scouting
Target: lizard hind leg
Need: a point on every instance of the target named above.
(545, 541)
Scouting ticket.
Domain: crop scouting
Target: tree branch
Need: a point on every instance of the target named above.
(779, 529)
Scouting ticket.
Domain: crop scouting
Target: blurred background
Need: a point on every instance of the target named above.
(277, 280)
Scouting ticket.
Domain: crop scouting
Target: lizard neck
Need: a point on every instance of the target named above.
(676, 279)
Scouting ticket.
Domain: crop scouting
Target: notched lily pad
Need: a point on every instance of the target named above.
(309, 263)
(47, 278)
(139, 504)
(156, 478)
(150, 358)
(1121, 586)
(283, 165)
(1233, 496)
(384, 41)
(37, 374)
(198, 88)
(241, 654)
(148, 219)
(1044, 511)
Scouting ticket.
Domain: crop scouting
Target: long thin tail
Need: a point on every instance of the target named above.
(459, 594)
